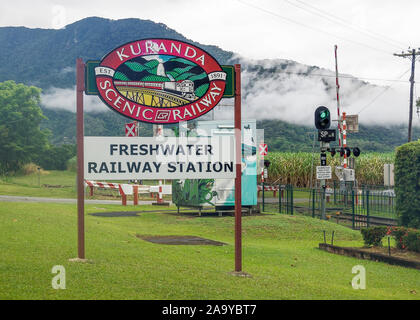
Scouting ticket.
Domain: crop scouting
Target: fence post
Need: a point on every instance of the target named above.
(313, 203)
(352, 208)
(363, 196)
(135, 195)
(291, 197)
(367, 207)
(263, 198)
(335, 196)
(280, 193)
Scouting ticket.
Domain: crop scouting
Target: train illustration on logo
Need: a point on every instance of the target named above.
(183, 88)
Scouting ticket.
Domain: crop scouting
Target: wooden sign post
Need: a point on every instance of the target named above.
(238, 179)
(80, 88)
(97, 78)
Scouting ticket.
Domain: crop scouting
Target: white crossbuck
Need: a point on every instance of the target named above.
(130, 130)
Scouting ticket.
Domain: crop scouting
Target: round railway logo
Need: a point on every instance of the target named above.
(160, 81)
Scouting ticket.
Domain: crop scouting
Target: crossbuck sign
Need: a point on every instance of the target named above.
(263, 149)
(131, 129)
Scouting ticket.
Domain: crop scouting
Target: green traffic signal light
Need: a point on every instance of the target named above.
(322, 118)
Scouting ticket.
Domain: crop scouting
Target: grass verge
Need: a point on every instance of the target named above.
(279, 251)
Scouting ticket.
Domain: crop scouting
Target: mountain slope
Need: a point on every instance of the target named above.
(272, 89)
(46, 57)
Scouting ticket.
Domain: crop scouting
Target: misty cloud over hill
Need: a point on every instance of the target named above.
(271, 89)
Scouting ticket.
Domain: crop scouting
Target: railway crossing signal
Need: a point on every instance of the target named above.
(322, 118)
(347, 151)
(325, 136)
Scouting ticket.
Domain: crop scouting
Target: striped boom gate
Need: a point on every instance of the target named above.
(268, 188)
(129, 189)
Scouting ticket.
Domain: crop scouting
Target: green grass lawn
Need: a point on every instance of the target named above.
(279, 251)
(52, 184)
(58, 184)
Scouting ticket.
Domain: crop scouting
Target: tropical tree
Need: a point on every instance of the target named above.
(21, 138)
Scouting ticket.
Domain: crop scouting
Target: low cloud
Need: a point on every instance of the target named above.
(65, 99)
(285, 90)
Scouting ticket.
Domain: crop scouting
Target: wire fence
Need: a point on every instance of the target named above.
(356, 207)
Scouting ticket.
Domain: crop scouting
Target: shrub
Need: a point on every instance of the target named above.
(413, 240)
(72, 164)
(56, 157)
(407, 184)
(398, 234)
(405, 238)
(373, 236)
(28, 169)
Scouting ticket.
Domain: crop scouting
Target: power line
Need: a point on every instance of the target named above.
(345, 23)
(380, 94)
(342, 76)
(412, 54)
(310, 27)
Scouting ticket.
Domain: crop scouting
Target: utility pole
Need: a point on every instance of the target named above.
(411, 55)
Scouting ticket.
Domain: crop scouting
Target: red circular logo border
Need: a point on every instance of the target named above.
(158, 115)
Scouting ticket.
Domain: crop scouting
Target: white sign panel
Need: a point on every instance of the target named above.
(125, 158)
(349, 175)
(323, 172)
(389, 175)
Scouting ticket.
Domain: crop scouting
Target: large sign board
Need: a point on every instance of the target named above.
(160, 81)
(124, 158)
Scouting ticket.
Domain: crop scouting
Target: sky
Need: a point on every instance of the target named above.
(367, 33)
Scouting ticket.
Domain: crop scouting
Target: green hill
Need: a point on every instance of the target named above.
(283, 136)
(46, 58)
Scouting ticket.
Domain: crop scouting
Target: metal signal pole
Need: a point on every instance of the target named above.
(411, 55)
